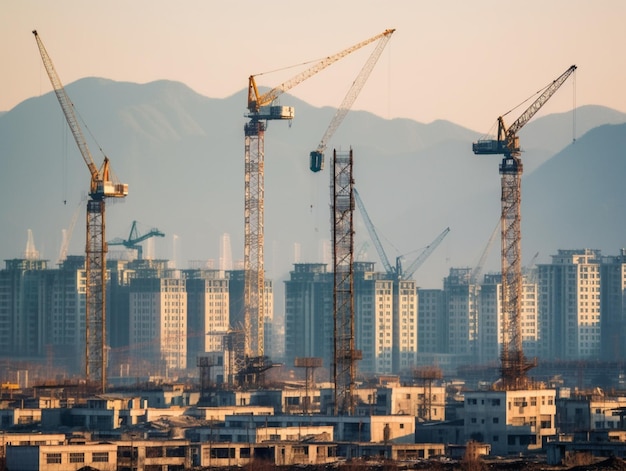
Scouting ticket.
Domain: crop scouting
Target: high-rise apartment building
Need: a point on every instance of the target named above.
(569, 305)
(431, 329)
(271, 334)
(462, 315)
(66, 318)
(613, 306)
(236, 308)
(386, 323)
(405, 326)
(374, 323)
(490, 318)
(158, 319)
(308, 314)
(530, 315)
(207, 312)
(42, 313)
(22, 308)
(118, 305)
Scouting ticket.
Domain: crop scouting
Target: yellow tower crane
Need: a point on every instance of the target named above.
(102, 186)
(261, 108)
(514, 365)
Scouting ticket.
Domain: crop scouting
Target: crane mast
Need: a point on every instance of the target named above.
(346, 355)
(514, 365)
(261, 109)
(101, 187)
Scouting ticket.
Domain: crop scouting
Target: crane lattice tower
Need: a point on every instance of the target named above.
(345, 353)
(514, 365)
(262, 108)
(102, 186)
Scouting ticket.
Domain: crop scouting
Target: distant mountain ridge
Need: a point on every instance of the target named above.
(182, 155)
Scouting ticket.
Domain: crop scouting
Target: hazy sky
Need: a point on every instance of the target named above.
(466, 61)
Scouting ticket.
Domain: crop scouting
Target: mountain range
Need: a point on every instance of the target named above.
(182, 155)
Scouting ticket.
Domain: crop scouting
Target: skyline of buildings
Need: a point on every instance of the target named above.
(160, 319)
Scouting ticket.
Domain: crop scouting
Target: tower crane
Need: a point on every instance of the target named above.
(134, 239)
(102, 186)
(261, 108)
(396, 272)
(514, 365)
(317, 156)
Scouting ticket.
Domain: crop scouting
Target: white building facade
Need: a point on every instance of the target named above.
(569, 305)
(158, 321)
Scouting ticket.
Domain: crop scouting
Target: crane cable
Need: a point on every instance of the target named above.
(88, 130)
(287, 67)
(574, 108)
(531, 97)
(64, 137)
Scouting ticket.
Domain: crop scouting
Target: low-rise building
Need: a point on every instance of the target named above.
(61, 457)
(590, 412)
(391, 451)
(261, 434)
(102, 413)
(375, 428)
(16, 416)
(218, 414)
(511, 422)
(279, 453)
(425, 402)
(154, 454)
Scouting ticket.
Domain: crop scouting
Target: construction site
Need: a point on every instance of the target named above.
(138, 352)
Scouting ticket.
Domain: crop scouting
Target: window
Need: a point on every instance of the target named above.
(100, 457)
(77, 457)
(53, 458)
